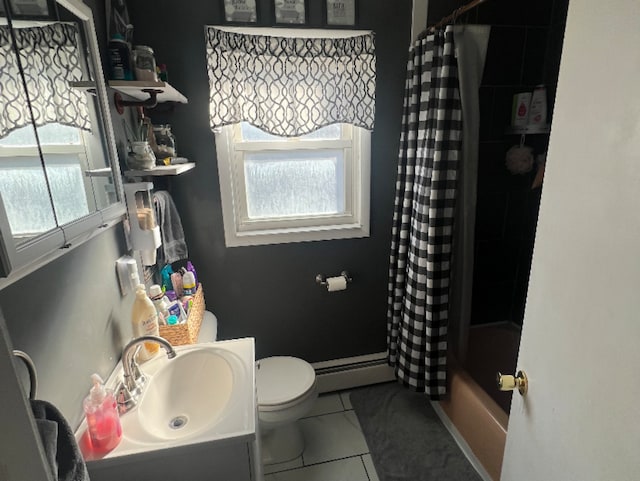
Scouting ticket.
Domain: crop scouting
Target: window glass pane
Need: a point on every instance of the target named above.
(26, 198)
(22, 137)
(254, 134)
(330, 132)
(67, 187)
(294, 183)
(50, 134)
(57, 134)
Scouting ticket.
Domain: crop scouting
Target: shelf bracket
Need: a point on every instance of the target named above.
(151, 102)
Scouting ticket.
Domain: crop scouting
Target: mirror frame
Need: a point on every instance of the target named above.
(18, 260)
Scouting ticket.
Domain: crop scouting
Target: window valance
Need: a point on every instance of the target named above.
(50, 60)
(291, 85)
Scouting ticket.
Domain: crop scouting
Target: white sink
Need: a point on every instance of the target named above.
(188, 394)
(206, 393)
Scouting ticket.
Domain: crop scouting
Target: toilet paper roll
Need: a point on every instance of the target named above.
(336, 284)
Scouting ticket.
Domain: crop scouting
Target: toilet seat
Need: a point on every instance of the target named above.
(283, 381)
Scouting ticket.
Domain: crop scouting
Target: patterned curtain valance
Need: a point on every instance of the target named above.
(290, 86)
(50, 60)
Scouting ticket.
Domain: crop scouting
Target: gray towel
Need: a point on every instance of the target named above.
(60, 447)
(174, 247)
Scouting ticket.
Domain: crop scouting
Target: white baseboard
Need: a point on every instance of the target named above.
(352, 372)
(462, 444)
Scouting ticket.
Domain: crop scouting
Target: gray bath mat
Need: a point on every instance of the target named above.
(406, 439)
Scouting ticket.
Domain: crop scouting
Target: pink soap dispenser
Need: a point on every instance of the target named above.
(103, 421)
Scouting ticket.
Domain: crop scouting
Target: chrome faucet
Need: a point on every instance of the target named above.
(132, 379)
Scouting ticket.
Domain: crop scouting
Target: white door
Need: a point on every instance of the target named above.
(580, 346)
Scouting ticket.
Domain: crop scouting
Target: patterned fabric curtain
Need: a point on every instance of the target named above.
(290, 86)
(430, 146)
(50, 60)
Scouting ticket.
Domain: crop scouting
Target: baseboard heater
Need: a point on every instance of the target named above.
(352, 372)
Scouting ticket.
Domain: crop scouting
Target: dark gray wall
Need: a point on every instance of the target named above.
(70, 318)
(269, 291)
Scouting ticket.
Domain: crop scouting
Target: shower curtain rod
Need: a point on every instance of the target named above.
(453, 16)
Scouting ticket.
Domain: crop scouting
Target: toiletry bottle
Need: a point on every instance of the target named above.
(520, 113)
(176, 309)
(193, 270)
(176, 281)
(144, 321)
(103, 422)
(160, 301)
(188, 284)
(538, 109)
(119, 58)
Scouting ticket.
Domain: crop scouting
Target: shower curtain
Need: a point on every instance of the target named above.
(431, 261)
(421, 245)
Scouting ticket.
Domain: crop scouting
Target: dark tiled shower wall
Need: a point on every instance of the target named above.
(524, 51)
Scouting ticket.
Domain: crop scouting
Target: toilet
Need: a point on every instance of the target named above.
(287, 391)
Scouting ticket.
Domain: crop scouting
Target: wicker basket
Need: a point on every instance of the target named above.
(187, 332)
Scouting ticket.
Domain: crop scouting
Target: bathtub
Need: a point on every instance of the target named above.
(478, 418)
(474, 405)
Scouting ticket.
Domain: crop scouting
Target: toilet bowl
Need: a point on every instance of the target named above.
(287, 390)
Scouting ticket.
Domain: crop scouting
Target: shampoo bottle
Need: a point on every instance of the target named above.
(144, 321)
(538, 109)
(103, 422)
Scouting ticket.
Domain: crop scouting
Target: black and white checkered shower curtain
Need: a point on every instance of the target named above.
(430, 146)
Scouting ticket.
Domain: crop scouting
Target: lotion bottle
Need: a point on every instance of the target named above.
(103, 422)
(144, 322)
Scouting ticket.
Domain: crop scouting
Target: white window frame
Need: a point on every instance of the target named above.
(241, 231)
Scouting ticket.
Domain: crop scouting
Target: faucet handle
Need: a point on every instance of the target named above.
(135, 368)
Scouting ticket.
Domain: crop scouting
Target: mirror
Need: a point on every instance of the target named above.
(59, 172)
(21, 170)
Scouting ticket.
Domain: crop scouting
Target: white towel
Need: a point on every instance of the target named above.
(174, 247)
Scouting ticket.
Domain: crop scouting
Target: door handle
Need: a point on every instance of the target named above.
(511, 383)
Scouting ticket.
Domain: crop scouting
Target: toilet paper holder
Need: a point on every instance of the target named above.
(322, 280)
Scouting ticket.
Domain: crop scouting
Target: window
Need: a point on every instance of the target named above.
(292, 111)
(291, 189)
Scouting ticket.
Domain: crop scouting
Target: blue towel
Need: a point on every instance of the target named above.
(59, 443)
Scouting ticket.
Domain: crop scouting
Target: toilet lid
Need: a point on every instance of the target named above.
(282, 379)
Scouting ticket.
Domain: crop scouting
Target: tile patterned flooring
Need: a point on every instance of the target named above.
(335, 447)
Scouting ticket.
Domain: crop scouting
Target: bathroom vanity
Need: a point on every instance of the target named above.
(195, 420)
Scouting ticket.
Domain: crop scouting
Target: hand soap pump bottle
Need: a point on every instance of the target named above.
(103, 421)
(144, 321)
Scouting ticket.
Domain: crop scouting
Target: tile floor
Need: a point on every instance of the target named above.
(335, 447)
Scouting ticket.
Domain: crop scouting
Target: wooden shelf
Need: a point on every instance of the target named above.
(135, 90)
(104, 172)
(161, 170)
(528, 130)
(86, 85)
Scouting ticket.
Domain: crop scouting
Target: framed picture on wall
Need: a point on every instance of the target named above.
(290, 11)
(341, 12)
(240, 11)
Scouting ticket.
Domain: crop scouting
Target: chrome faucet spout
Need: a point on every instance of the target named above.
(133, 380)
(129, 351)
